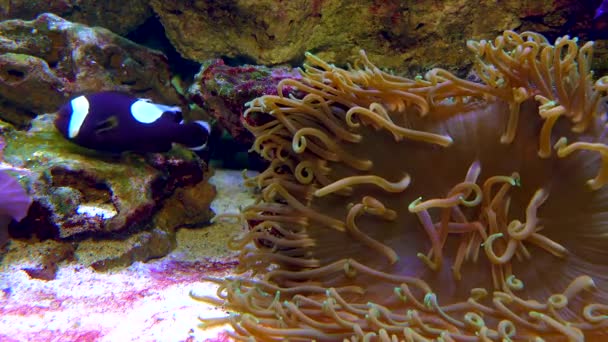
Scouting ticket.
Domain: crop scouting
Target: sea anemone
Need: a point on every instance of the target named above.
(14, 199)
(430, 208)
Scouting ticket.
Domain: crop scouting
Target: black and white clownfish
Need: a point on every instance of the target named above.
(116, 122)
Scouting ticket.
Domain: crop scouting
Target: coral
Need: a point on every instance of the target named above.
(430, 208)
(223, 90)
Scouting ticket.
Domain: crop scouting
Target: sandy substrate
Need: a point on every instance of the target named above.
(144, 302)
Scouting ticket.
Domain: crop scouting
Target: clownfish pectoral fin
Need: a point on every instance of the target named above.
(107, 124)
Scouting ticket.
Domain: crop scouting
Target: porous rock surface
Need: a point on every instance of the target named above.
(121, 16)
(400, 35)
(80, 193)
(46, 61)
(223, 91)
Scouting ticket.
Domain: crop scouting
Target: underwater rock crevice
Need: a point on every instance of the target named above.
(56, 59)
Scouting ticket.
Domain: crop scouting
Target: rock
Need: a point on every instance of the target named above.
(600, 62)
(109, 254)
(40, 260)
(187, 206)
(224, 90)
(79, 193)
(44, 62)
(119, 16)
(399, 35)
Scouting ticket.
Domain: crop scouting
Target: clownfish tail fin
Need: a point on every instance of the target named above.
(194, 135)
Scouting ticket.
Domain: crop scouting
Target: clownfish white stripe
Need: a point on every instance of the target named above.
(116, 122)
(204, 124)
(80, 110)
(148, 112)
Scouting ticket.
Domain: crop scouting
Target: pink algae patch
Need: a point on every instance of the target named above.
(151, 300)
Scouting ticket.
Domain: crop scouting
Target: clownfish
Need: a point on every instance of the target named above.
(115, 122)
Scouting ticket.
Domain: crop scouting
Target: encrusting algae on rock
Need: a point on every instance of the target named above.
(432, 208)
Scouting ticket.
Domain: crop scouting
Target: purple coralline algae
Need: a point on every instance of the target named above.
(223, 91)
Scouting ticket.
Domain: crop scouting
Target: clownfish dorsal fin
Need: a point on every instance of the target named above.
(107, 124)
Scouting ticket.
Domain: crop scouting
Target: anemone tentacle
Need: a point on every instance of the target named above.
(434, 208)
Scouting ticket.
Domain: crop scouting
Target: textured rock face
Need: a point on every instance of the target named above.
(402, 35)
(224, 90)
(121, 16)
(45, 61)
(79, 193)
